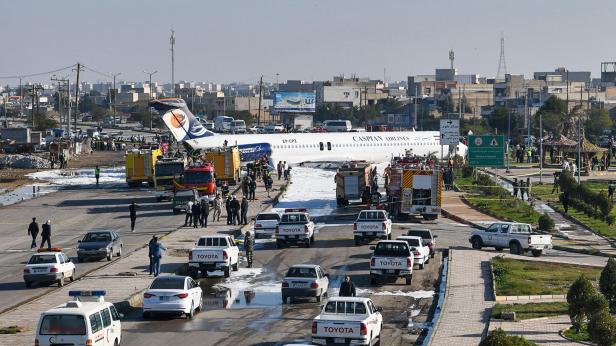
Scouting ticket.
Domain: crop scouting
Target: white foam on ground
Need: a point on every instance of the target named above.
(81, 177)
(414, 294)
(310, 188)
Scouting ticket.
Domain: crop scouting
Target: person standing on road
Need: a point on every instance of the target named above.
(285, 170)
(279, 169)
(46, 234)
(229, 211)
(235, 211)
(157, 253)
(97, 174)
(515, 187)
(249, 246)
(196, 214)
(132, 208)
(245, 183)
(33, 230)
(217, 208)
(252, 190)
(205, 213)
(189, 215)
(244, 211)
(150, 254)
(347, 289)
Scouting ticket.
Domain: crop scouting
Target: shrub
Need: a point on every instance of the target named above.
(580, 292)
(498, 337)
(499, 271)
(607, 283)
(546, 223)
(602, 329)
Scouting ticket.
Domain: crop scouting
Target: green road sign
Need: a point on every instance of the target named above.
(486, 151)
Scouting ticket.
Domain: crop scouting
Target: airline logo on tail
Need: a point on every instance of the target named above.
(183, 126)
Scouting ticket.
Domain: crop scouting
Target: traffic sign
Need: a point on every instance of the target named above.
(486, 151)
(450, 131)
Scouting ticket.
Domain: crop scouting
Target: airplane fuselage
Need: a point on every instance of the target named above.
(341, 146)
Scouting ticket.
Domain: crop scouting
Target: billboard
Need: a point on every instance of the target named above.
(292, 101)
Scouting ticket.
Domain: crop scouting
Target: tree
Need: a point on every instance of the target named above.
(607, 283)
(554, 116)
(244, 115)
(42, 121)
(579, 294)
(598, 120)
(445, 104)
(546, 223)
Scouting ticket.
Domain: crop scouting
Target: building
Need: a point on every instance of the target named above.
(561, 74)
(341, 96)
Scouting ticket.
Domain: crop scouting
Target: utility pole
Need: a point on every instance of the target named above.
(260, 96)
(415, 108)
(79, 69)
(579, 163)
(150, 95)
(172, 42)
(115, 94)
(21, 98)
(540, 149)
(33, 92)
(508, 137)
(61, 83)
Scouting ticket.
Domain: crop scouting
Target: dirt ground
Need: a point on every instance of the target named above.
(11, 178)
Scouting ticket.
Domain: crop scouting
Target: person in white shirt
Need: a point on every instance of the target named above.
(189, 217)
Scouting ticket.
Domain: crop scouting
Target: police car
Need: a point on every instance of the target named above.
(49, 265)
(86, 319)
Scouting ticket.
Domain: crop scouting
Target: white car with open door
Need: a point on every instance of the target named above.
(172, 294)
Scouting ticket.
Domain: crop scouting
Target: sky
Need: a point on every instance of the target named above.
(238, 40)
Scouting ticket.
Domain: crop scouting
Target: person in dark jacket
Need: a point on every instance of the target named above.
(244, 210)
(347, 289)
(252, 189)
(235, 211)
(196, 212)
(205, 213)
(229, 211)
(46, 234)
(132, 209)
(33, 230)
(150, 255)
(565, 200)
(515, 187)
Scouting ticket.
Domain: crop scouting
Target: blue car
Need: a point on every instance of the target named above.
(99, 244)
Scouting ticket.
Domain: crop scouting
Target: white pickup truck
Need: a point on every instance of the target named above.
(518, 237)
(295, 227)
(348, 321)
(391, 259)
(371, 224)
(213, 252)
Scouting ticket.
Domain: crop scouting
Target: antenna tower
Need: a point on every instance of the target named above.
(502, 64)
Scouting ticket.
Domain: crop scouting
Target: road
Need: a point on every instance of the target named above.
(265, 320)
(72, 213)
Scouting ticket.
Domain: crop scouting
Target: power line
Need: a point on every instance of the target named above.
(108, 75)
(37, 74)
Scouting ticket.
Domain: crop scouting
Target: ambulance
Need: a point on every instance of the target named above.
(86, 320)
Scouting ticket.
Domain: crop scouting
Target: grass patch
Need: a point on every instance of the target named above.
(581, 336)
(506, 208)
(596, 225)
(10, 330)
(522, 278)
(531, 310)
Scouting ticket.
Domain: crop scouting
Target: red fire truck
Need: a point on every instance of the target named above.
(199, 177)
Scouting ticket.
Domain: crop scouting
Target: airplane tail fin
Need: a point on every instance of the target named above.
(180, 121)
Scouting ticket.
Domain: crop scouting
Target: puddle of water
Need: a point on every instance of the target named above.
(26, 192)
(414, 294)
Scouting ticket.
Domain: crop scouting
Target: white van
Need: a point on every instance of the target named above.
(238, 126)
(337, 125)
(86, 320)
(222, 123)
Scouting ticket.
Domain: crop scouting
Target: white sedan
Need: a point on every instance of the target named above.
(421, 253)
(173, 294)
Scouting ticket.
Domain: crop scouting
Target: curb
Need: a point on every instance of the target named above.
(562, 335)
(532, 298)
(430, 336)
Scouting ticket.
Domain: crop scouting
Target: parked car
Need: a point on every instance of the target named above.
(426, 235)
(421, 253)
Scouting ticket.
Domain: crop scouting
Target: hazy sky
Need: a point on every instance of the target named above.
(229, 40)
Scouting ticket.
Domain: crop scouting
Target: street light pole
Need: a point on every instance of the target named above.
(540, 149)
(115, 94)
(508, 139)
(150, 95)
